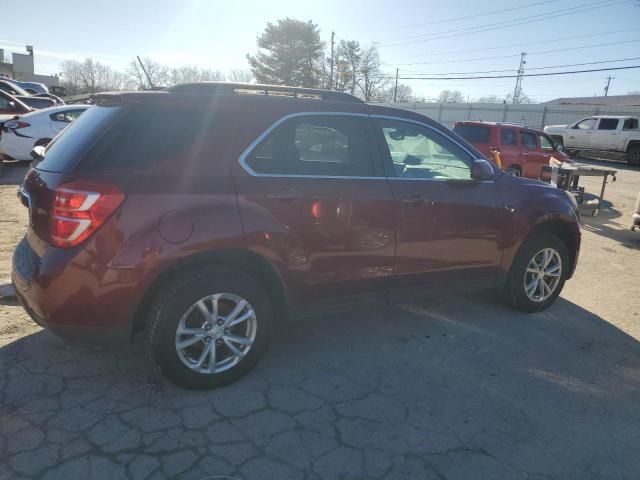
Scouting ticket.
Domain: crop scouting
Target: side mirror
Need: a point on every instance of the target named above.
(481, 169)
(37, 153)
(558, 148)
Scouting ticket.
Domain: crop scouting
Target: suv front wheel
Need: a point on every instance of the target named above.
(209, 328)
(538, 273)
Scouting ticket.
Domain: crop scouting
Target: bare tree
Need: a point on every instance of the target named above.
(450, 96)
(90, 76)
(70, 77)
(371, 79)
(349, 57)
(188, 74)
(240, 76)
(491, 99)
(158, 73)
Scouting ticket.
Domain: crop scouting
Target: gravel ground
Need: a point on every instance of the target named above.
(451, 388)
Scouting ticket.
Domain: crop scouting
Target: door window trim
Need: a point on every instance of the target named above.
(274, 125)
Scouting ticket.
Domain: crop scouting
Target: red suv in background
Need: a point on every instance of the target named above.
(523, 151)
(204, 213)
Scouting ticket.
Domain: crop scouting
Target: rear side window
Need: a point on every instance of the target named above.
(630, 124)
(528, 139)
(315, 145)
(67, 148)
(473, 133)
(608, 124)
(508, 136)
(145, 135)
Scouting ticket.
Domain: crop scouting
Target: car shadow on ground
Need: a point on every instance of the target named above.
(447, 388)
(12, 173)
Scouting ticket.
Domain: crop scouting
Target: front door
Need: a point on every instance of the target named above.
(580, 134)
(532, 156)
(314, 200)
(448, 225)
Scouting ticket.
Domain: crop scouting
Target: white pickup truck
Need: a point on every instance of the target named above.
(606, 133)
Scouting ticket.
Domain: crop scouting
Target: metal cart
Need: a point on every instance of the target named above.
(567, 177)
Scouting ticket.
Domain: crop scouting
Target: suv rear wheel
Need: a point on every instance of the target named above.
(538, 273)
(209, 328)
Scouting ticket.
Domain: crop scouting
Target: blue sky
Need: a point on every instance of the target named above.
(218, 34)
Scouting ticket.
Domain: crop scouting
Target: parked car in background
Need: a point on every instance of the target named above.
(33, 88)
(523, 151)
(58, 91)
(18, 92)
(282, 199)
(11, 106)
(619, 134)
(19, 135)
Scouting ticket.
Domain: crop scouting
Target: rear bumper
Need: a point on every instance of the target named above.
(65, 292)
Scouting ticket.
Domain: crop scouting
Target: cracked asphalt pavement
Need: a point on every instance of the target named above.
(447, 388)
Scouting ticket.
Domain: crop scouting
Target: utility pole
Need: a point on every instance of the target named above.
(333, 34)
(517, 90)
(395, 89)
(145, 72)
(606, 87)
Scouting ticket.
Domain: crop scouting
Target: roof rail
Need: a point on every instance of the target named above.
(217, 88)
(513, 124)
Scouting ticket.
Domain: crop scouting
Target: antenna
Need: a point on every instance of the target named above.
(145, 72)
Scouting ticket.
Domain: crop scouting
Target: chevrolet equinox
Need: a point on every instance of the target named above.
(202, 214)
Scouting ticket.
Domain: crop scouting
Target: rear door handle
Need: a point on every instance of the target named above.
(416, 200)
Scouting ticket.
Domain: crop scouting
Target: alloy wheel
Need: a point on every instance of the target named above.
(216, 333)
(543, 274)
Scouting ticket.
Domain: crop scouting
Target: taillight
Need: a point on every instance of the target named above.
(79, 209)
(16, 124)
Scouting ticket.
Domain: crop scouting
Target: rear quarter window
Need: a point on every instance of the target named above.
(149, 135)
(68, 148)
(473, 133)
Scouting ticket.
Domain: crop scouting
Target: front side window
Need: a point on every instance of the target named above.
(528, 139)
(545, 142)
(4, 103)
(508, 136)
(419, 152)
(586, 124)
(316, 145)
(608, 124)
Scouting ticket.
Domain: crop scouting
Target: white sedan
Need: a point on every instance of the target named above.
(19, 134)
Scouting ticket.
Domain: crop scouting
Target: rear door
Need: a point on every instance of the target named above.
(509, 149)
(605, 134)
(531, 154)
(448, 225)
(314, 200)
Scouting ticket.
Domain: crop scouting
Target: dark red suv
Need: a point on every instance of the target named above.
(205, 213)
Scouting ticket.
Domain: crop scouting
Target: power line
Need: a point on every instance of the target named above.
(455, 19)
(525, 75)
(540, 52)
(508, 23)
(528, 44)
(528, 68)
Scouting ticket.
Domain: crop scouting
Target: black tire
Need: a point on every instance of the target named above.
(177, 297)
(514, 290)
(514, 171)
(633, 156)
